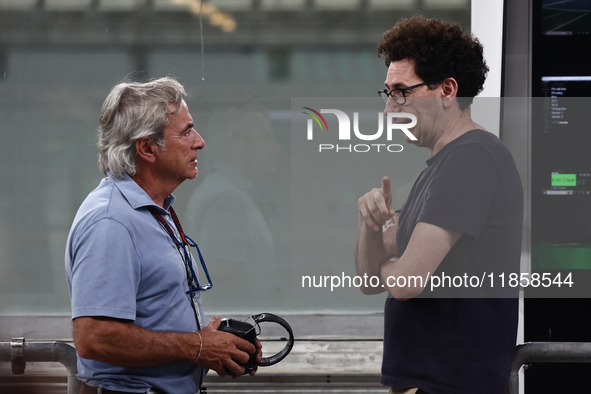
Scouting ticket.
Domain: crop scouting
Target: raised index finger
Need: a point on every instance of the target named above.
(386, 188)
(387, 192)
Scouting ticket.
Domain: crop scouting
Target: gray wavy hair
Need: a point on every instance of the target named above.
(133, 111)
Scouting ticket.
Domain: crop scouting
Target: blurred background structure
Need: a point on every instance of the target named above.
(60, 58)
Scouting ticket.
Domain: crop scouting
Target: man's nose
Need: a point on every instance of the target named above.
(199, 141)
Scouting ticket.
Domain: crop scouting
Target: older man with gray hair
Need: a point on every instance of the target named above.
(136, 303)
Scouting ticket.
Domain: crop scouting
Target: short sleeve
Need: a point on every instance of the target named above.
(106, 272)
(460, 195)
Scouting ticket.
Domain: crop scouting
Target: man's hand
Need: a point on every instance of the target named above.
(375, 206)
(259, 356)
(123, 344)
(258, 359)
(373, 244)
(220, 349)
(389, 230)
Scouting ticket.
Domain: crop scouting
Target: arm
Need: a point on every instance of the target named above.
(373, 245)
(109, 335)
(427, 247)
(123, 344)
(459, 198)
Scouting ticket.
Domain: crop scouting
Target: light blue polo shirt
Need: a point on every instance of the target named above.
(121, 263)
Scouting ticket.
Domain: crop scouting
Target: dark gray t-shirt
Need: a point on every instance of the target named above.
(460, 345)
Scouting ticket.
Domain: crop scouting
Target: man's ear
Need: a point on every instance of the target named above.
(146, 149)
(449, 90)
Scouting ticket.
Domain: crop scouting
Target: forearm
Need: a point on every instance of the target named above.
(406, 276)
(369, 252)
(126, 345)
(403, 289)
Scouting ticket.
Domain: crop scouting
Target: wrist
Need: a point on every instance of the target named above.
(200, 346)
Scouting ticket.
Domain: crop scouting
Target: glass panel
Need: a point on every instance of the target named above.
(58, 61)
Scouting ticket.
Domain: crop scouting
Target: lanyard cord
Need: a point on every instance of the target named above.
(186, 258)
(164, 224)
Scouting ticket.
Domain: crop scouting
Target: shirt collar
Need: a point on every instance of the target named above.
(135, 195)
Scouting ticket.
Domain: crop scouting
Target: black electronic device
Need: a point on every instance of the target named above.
(250, 332)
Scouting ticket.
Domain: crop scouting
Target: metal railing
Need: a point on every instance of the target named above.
(547, 352)
(18, 352)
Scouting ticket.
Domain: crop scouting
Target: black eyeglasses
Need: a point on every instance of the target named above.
(398, 95)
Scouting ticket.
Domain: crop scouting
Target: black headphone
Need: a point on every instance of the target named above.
(248, 332)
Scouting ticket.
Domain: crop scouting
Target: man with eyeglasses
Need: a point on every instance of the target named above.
(465, 210)
(136, 296)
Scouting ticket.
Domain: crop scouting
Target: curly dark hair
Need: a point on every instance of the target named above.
(440, 50)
